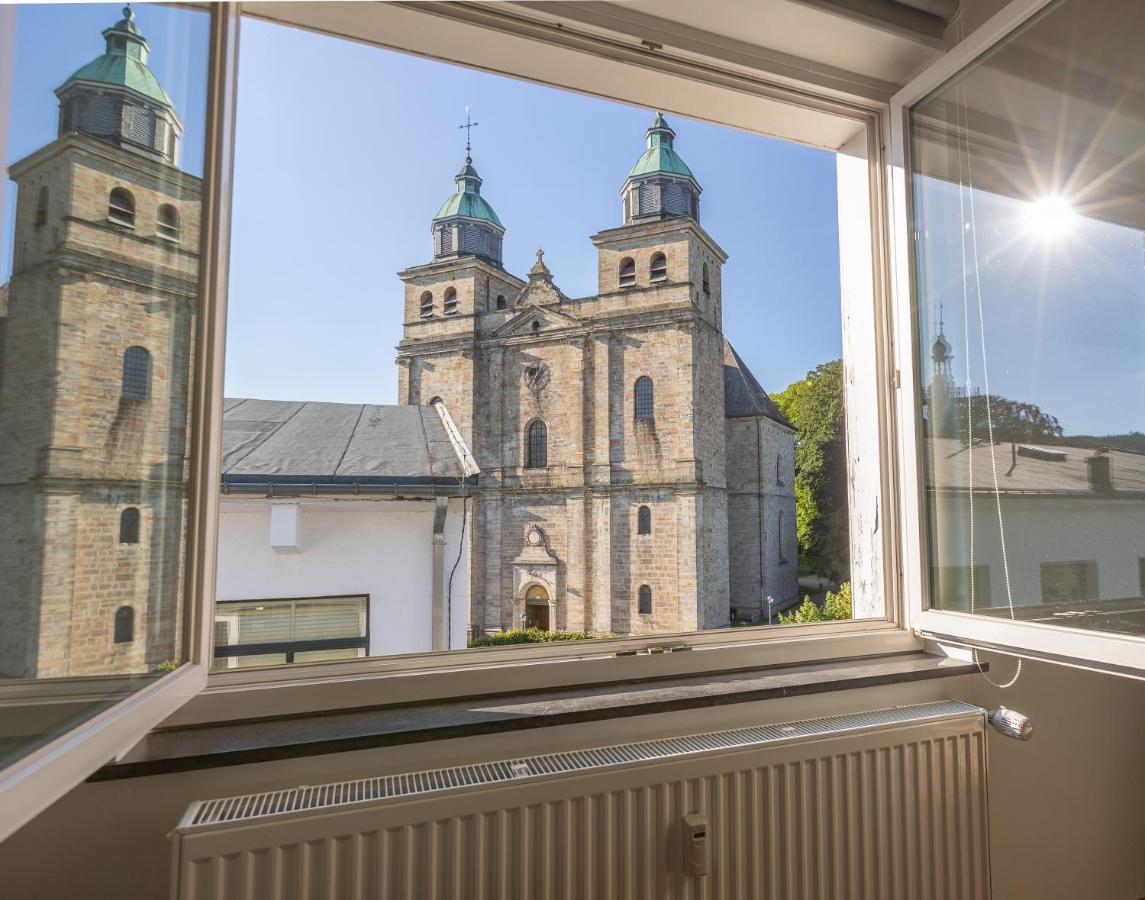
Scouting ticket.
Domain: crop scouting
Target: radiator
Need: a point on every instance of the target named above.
(884, 804)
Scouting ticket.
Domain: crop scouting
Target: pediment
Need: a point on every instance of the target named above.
(549, 320)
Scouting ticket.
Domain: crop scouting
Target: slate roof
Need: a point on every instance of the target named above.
(346, 444)
(1030, 469)
(743, 395)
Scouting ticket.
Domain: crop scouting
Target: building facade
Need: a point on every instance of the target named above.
(635, 478)
(95, 355)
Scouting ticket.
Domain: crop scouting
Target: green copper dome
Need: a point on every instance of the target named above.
(660, 157)
(468, 201)
(124, 62)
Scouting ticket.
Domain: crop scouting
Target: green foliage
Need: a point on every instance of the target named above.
(815, 407)
(836, 606)
(168, 665)
(534, 636)
(1013, 420)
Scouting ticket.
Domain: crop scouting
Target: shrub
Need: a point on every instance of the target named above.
(168, 665)
(534, 636)
(836, 606)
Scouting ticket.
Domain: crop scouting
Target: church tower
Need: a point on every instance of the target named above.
(446, 301)
(94, 378)
(942, 413)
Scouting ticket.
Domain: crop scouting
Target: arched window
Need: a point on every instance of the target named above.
(779, 537)
(537, 446)
(778, 473)
(136, 374)
(658, 268)
(449, 306)
(124, 625)
(644, 520)
(427, 305)
(500, 301)
(536, 324)
(121, 208)
(707, 284)
(644, 600)
(42, 206)
(627, 272)
(129, 525)
(644, 407)
(167, 222)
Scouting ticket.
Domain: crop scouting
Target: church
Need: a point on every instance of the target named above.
(635, 477)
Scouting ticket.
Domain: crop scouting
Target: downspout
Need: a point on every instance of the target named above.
(439, 625)
(762, 542)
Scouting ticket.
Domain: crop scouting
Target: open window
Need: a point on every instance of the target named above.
(1027, 405)
(89, 665)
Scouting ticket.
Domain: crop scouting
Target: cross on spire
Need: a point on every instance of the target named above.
(468, 126)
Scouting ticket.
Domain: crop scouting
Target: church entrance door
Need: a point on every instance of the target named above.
(537, 608)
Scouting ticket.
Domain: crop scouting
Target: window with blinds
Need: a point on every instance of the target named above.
(301, 629)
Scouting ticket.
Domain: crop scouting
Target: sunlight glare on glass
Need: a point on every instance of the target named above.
(1049, 218)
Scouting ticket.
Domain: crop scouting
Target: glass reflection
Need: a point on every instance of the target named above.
(98, 296)
(1029, 181)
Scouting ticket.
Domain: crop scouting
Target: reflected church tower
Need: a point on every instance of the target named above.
(942, 413)
(96, 326)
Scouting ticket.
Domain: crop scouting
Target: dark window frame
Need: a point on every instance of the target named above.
(290, 648)
(644, 600)
(643, 399)
(167, 222)
(626, 272)
(536, 445)
(121, 207)
(129, 525)
(644, 519)
(449, 303)
(123, 628)
(658, 267)
(135, 383)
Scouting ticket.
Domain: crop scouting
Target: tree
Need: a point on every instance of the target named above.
(835, 607)
(1013, 420)
(815, 407)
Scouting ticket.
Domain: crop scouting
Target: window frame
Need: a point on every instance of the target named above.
(120, 214)
(36, 780)
(491, 38)
(1104, 652)
(290, 647)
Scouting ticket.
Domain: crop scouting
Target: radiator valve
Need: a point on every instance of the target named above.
(1010, 723)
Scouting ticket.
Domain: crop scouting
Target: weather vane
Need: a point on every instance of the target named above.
(468, 126)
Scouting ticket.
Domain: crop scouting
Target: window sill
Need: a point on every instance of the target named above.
(286, 737)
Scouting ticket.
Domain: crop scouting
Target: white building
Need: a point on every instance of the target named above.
(340, 532)
(1073, 519)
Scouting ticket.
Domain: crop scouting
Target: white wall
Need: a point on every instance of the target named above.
(1047, 529)
(382, 548)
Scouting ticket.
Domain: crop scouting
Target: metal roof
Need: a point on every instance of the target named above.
(743, 395)
(1030, 469)
(660, 157)
(337, 444)
(126, 66)
(468, 201)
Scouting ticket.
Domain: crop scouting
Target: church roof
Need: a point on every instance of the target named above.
(283, 442)
(743, 395)
(660, 157)
(467, 201)
(124, 63)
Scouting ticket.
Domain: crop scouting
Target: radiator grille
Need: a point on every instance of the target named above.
(308, 798)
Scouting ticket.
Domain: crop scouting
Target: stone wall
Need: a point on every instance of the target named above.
(74, 452)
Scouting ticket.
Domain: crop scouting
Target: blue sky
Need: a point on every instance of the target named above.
(343, 160)
(346, 151)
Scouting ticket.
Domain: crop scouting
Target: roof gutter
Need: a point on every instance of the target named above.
(346, 486)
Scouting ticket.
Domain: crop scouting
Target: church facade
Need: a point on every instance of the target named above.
(96, 328)
(635, 477)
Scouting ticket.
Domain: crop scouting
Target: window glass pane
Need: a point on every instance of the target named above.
(573, 390)
(98, 317)
(1028, 183)
(302, 629)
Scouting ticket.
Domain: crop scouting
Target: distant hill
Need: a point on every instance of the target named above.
(1134, 442)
